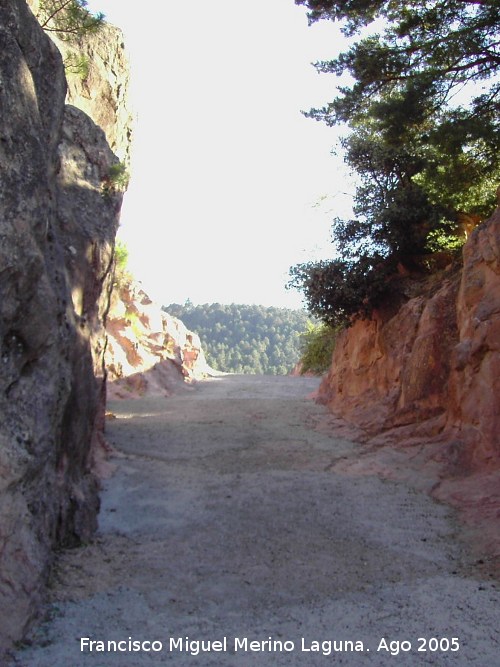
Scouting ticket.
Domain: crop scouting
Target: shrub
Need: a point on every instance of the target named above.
(123, 276)
(116, 180)
(318, 343)
(337, 291)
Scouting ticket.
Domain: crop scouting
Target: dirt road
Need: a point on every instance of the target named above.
(227, 538)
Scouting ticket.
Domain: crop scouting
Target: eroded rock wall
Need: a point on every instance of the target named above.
(433, 368)
(149, 351)
(57, 229)
(101, 88)
(473, 409)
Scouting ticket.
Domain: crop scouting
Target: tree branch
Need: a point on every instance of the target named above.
(54, 13)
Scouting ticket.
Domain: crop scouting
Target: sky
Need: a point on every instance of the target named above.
(231, 184)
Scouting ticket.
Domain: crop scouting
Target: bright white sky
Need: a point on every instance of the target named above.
(226, 169)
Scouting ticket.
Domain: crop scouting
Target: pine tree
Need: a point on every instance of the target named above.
(424, 161)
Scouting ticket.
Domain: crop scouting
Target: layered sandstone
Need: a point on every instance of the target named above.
(57, 230)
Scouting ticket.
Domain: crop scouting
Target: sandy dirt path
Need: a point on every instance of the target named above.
(226, 523)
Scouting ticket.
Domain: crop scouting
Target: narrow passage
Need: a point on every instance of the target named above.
(226, 527)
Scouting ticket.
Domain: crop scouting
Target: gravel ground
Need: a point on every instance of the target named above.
(228, 538)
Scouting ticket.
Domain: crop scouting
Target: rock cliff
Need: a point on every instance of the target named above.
(102, 89)
(57, 227)
(149, 351)
(426, 380)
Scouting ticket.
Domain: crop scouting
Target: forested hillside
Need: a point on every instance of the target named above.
(245, 339)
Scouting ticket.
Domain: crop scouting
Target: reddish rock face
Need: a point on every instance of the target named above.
(474, 407)
(148, 350)
(434, 363)
(422, 387)
(391, 372)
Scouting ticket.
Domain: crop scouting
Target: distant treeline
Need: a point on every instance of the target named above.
(245, 339)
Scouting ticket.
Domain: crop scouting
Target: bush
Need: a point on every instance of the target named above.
(116, 180)
(318, 343)
(338, 291)
(123, 275)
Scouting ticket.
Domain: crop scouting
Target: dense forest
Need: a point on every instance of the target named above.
(245, 339)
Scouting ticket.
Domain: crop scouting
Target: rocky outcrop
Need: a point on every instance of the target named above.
(429, 376)
(101, 90)
(388, 372)
(434, 365)
(149, 351)
(57, 229)
(473, 413)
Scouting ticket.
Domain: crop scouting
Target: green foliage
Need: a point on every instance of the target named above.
(121, 255)
(122, 273)
(118, 176)
(68, 19)
(77, 64)
(339, 290)
(134, 322)
(117, 179)
(245, 339)
(422, 157)
(317, 345)
(437, 242)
